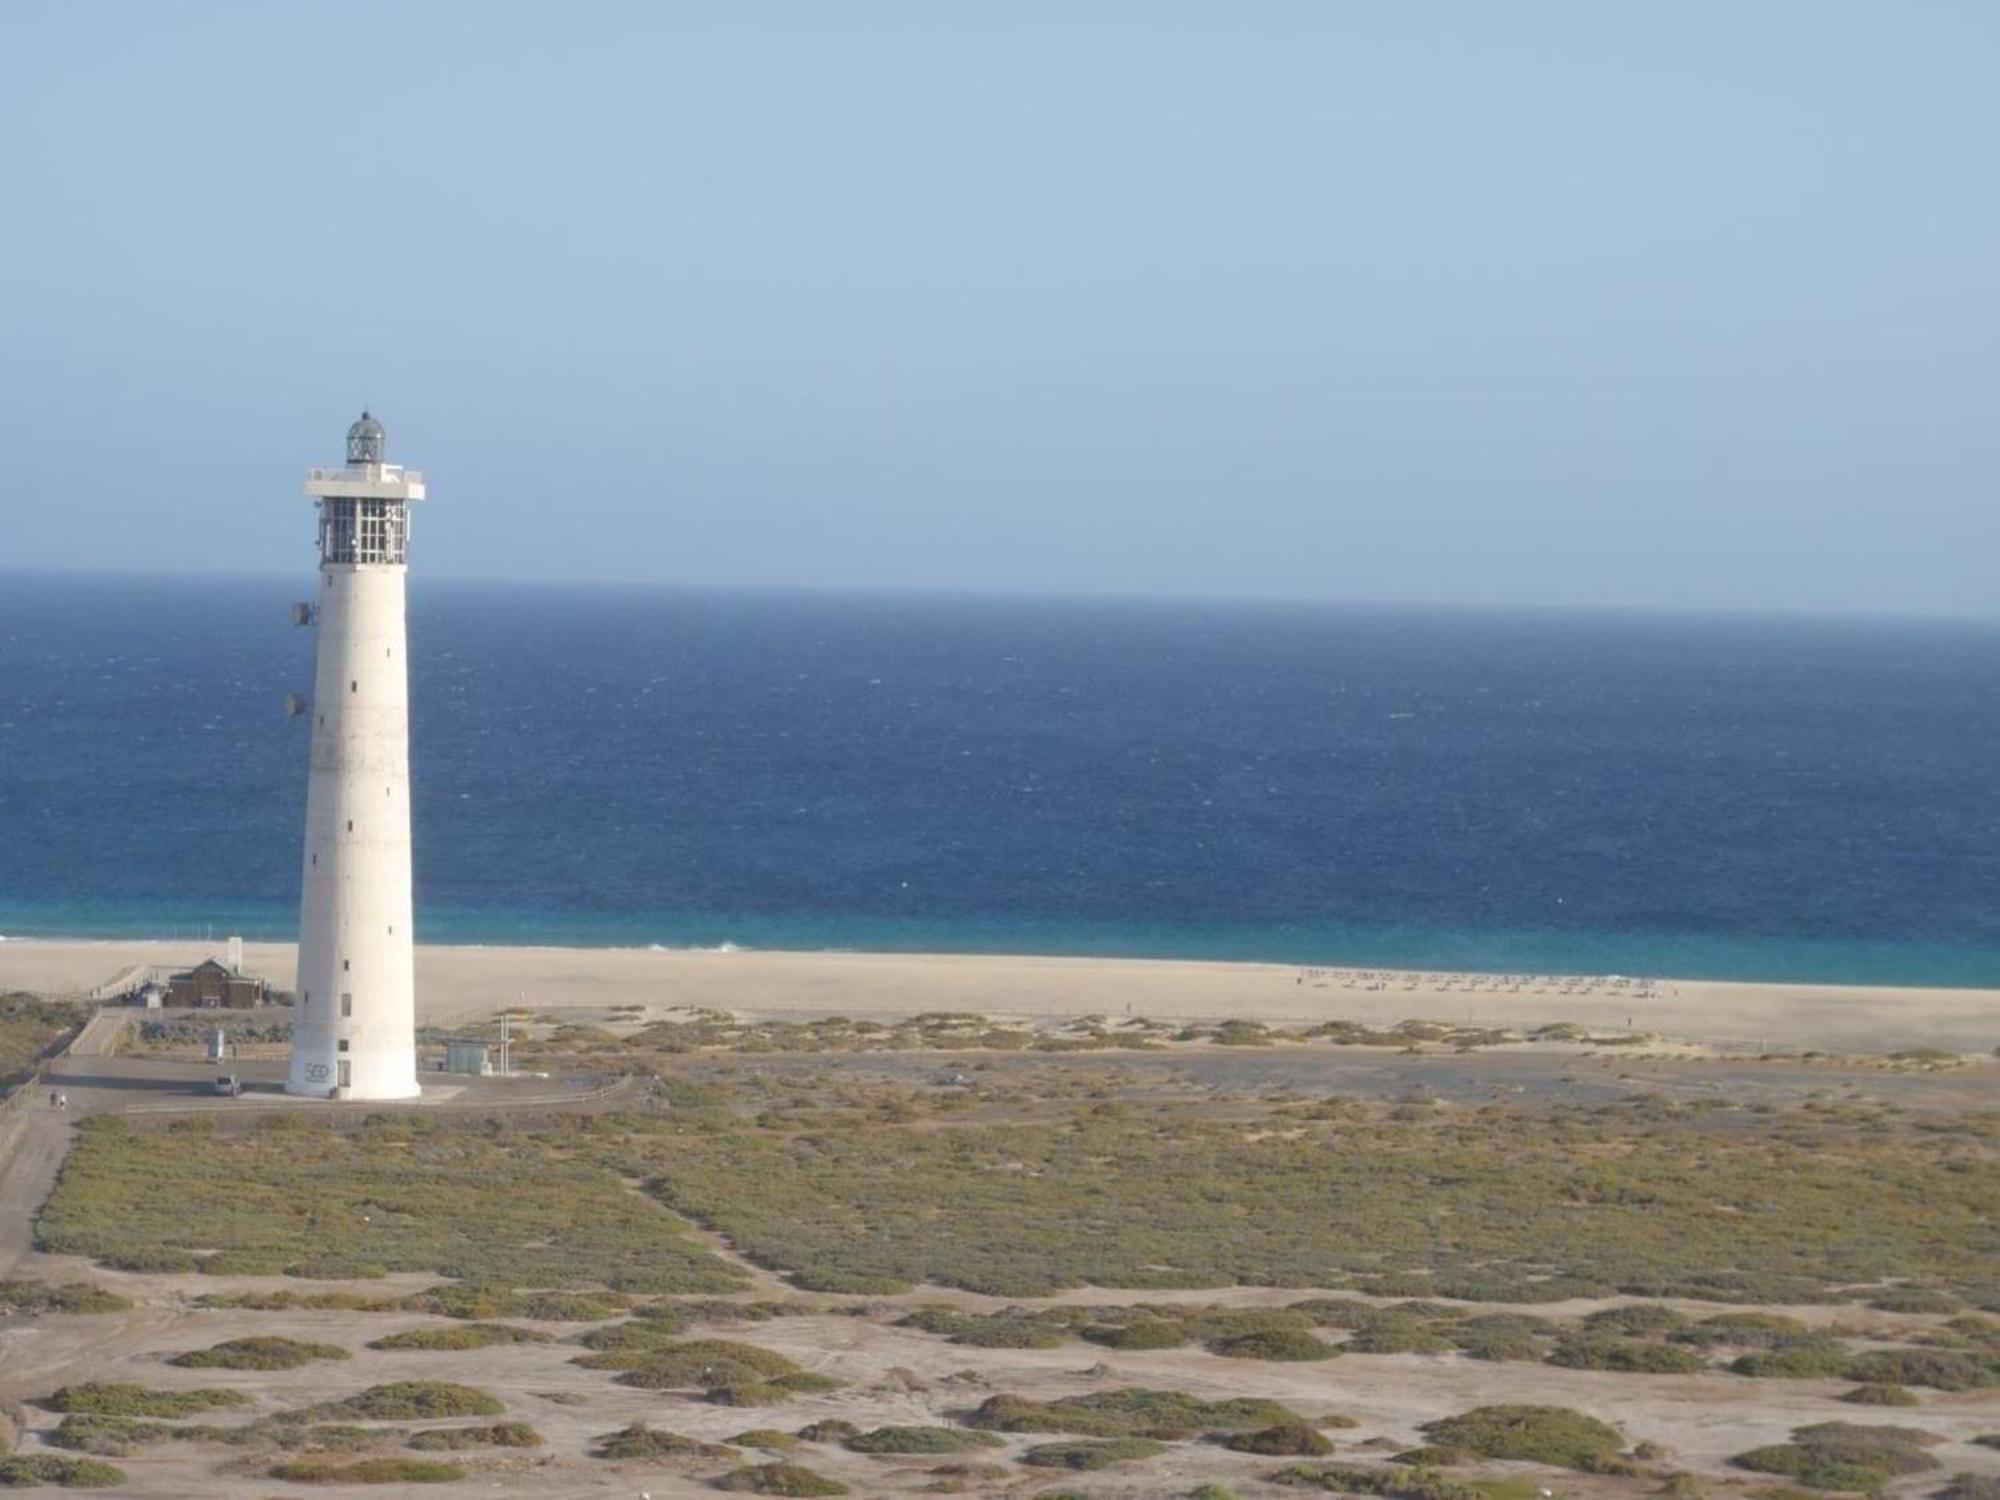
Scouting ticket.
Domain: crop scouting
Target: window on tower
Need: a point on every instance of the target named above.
(362, 531)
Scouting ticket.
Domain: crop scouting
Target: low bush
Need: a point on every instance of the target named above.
(367, 1471)
(1396, 1335)
(261, 1353)
(1132, 1411)
(1551, 1435)
(1636, 1320)
(1502, 1336)
(26, 1471)
(1087, 1454)
(829, 1430)
(1914, 1299)
(920, 1440)
(454, 1439)
(768, 1438)
(1810, 1358)
(29, 1299)
(1879, 1395)
(1941, 1369)
(125, 1399)
(1392, 1483)
(114, 1437)
(419, 1400)
(641, 1441)
(1432, 1456)
(1282, 1440)
(1274, 1344)
(1844, 1456)
(482, 1302)
(460, 1336)
(1629, 1356)
(779, 1479)
(1140, 1333)
(1969, 1487)
(1749, 1330)
(695, 1363)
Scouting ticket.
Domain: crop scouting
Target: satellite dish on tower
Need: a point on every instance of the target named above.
(295, 704)
(303, 614)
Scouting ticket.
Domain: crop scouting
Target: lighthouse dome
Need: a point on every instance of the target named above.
(365, 440)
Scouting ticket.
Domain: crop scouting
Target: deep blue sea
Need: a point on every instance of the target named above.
(1699, 796)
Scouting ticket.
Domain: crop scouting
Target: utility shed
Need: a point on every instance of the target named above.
(467, 1055)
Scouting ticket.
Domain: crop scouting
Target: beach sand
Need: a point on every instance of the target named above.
(456, 985)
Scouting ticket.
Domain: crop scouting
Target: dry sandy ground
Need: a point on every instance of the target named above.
(461, 984)
(893, 1375)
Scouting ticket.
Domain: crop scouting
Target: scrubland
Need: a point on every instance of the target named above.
(810, 1266)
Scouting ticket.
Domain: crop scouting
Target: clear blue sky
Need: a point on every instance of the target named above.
(1571, 303)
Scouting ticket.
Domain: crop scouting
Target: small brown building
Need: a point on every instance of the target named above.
(214, 986)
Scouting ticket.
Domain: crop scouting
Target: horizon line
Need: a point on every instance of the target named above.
(990, 594)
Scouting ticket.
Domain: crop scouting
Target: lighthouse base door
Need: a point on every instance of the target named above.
(346, 1075)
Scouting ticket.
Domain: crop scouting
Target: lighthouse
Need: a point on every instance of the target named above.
(354, 1018)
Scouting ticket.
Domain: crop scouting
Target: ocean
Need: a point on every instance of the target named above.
(1701, 796)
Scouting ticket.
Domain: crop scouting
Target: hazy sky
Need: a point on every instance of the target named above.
(1574, 303)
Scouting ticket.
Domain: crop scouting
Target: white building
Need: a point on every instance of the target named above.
(354, 1021)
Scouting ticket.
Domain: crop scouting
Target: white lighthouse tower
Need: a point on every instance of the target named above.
(354, 1021)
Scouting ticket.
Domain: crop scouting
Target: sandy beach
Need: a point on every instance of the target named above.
(461, 984)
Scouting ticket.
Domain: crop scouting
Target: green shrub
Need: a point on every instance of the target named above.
(1132, 1411)
(768, 1438)
(460, 1336)
(1639, 1320)
(1809, 1358)
(1844, 1455)
(114, 1437)
(1283, 1440)
(1501, 1336)
(419, 1400)
(829, 1430)
(1757, 1330)
(1140, 1333)
(1551, 1435)
(1432, 1456)
(1211, 1492)
(479, 1302)
(26, 1471)
(920, 1440)
(779, 1479)
(1086, 1454)
(1969, 1487)
(641, 1441)
(1914, 1299)
(748, 1393)
(1941, 1369)
(1392, 1483)
(703, 1362)
(1396, 1335)
(367, 1471)
(1009, 1333)
(29, 1299)
(124, 1399)
(261, 1353)
(1879, 1395)
(1275, 1344)
(453, 1439)
(1631, 1356)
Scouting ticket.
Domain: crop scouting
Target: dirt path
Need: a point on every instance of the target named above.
(33, 1144)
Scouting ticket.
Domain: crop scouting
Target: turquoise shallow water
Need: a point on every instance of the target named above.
(1806, 800)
